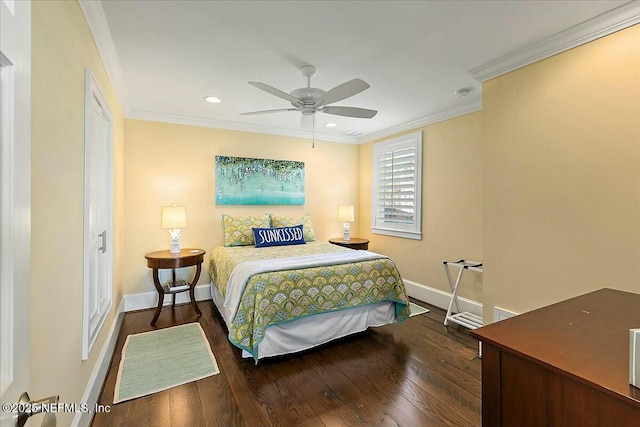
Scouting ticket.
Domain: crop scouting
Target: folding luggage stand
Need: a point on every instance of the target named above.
(466, 319)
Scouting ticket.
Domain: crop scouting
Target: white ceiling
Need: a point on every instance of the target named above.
(164, 57)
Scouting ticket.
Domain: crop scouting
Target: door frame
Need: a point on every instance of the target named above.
(91, 330)
(15, 203)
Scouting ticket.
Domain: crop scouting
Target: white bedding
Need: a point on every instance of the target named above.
(310, 332)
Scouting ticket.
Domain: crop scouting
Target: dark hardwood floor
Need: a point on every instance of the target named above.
(418, 373)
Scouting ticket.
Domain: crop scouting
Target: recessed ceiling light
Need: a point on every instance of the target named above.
(212, 99)
(330, 125)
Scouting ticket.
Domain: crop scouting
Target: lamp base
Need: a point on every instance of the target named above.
(174, 248)
(347, 232)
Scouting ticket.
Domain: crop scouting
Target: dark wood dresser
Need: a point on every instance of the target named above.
(562, 365)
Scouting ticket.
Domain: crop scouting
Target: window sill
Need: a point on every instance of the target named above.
(415, 235)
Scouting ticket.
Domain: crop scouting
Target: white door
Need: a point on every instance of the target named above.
(98, 240)
(15, 203)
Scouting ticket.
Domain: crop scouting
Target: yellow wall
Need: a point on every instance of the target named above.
(168, 163)
(543, 185)
(451, 206)
(562, 176)
(62, 47)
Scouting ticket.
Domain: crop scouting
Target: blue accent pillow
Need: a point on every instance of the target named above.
(278, 236)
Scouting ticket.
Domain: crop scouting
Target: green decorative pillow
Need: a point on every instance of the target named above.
(238, 230)
(287, 221)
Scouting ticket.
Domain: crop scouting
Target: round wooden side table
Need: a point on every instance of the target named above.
(164, 260)
(353, 243)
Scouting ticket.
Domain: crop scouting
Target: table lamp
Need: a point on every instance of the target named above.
(174, 218)
(346, 215)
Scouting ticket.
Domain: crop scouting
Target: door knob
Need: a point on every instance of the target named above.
(28, 407)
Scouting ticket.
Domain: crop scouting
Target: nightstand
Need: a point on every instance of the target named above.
(165, 260)
(353, 243)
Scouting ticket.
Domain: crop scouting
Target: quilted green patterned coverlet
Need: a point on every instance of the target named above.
(224, 260)
(274, 297)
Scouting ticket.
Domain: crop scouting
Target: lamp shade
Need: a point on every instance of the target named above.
(174, 217)
(345, 213)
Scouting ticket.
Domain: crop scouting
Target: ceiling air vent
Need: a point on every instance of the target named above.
(352, 133)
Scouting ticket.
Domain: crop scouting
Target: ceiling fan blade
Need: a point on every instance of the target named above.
(361, 113)
(340, 92)
(274, 91)
(268, 111)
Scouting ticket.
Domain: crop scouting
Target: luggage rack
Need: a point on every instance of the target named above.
(466, 319)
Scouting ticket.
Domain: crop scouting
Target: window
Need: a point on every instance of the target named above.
(396, 181)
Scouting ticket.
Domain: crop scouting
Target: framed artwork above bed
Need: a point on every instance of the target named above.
(248, 181)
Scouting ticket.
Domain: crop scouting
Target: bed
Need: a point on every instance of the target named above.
(283, 299)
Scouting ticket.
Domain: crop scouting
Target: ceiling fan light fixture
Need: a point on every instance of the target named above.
(310, 100)
(212, 99)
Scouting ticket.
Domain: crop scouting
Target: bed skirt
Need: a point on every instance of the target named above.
(312, 331)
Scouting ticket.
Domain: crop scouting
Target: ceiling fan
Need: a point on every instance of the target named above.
(310, 100)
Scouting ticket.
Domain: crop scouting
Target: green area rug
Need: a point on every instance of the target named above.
(416, 309)
(162, 359)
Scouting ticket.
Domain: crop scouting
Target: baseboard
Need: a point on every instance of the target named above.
(99, 374)
(500, 313)
(146, 300)
(433, 296)
(440, 298)
(416, 290)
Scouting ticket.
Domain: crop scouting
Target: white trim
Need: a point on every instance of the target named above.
(411, 230)
(440, 298)
(7, 221)
(609, 22)
(15, 200)
(226, 124)
(396, 233)
(97, 22)
(634, 357)
(502, 314)
(89, 333)
(301, 133)
(100, 370)
(11, 6)
(433, 296)
(144, 300)
(599, 26)
(423, 121)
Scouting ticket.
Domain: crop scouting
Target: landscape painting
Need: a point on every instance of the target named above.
(247, 181)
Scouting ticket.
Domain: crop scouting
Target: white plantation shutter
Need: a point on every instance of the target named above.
(396, 187)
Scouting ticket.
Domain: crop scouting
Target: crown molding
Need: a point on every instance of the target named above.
(230, 125)
(422, 121)
(602, 25)
(592, 29)
(94, 15)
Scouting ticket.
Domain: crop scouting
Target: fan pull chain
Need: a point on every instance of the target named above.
(313, 131)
